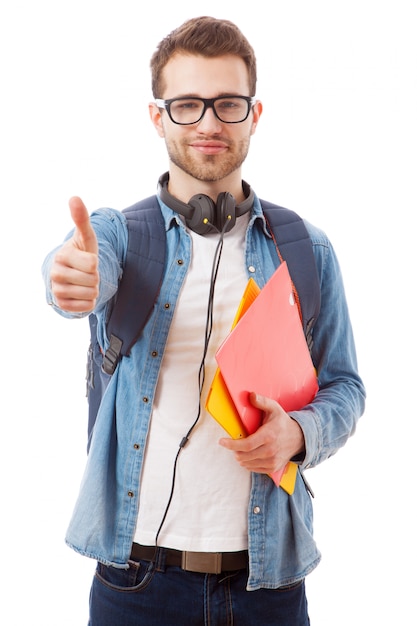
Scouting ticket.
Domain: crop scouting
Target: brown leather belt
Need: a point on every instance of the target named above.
(201, 562)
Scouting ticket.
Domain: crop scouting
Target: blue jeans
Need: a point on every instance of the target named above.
(148, 595)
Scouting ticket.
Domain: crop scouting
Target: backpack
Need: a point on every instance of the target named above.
(142, 278)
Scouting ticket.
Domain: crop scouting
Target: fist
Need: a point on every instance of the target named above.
(74, 271)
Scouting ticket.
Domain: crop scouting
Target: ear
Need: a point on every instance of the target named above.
(156, 118)
(257, 112)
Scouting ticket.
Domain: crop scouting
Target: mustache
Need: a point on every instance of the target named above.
(207, 139)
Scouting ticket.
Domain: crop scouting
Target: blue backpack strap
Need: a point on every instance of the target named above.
(294, 245)
(141, 280)
(138, 290)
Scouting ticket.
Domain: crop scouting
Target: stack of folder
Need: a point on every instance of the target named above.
(265, 352)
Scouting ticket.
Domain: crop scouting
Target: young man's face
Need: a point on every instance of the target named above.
(209, 150)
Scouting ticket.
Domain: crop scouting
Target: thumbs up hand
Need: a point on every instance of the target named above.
(74, 271)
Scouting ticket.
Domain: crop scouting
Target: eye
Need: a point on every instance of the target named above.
(228, 104)
(231, 106)
(186, 105)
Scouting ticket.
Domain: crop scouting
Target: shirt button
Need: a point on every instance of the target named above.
(136, 446)
(180, 262)
(130, 494)
(257, 510)
(251, 269)
(154, 353)
(145, 399)
(167, 305)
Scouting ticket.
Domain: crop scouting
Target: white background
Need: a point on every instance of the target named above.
(337, 143)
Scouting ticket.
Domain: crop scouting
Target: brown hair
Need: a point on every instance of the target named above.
(205, 36)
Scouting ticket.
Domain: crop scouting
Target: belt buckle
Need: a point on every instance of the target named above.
(202, 562)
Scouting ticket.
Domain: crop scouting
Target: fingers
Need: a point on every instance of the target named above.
(74, 290)
(268, 407)
(264, 458)
(268, 449)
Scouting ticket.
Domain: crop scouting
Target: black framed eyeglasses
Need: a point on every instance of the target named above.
(227, 109)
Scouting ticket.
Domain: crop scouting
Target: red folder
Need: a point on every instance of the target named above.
(266, 352)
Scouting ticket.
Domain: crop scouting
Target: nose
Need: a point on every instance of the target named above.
(209, 123)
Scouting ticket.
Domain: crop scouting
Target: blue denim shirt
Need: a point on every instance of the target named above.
(281, 546)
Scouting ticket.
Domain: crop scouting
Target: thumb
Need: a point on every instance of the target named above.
(84, 236)
(258, 401)
(265, 404)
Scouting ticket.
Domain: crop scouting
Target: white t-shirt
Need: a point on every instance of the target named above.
(208, 512)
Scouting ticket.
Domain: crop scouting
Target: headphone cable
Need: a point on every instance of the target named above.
(202, 368)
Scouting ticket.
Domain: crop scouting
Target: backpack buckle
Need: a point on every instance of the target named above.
(112, 355)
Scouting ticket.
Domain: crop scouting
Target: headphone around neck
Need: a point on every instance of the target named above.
(202, 214)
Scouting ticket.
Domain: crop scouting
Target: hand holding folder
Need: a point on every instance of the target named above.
(265, 352)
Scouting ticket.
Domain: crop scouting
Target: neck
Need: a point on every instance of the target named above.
(183, 186)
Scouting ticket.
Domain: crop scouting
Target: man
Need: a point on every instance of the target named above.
(164, 490)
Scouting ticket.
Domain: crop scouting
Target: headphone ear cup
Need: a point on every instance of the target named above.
(203, 215)
(203, 218)
(226, 211)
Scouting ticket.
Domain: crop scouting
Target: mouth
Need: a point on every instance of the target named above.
(209, 147)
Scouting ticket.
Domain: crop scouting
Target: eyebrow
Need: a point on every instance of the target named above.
(225, 94)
